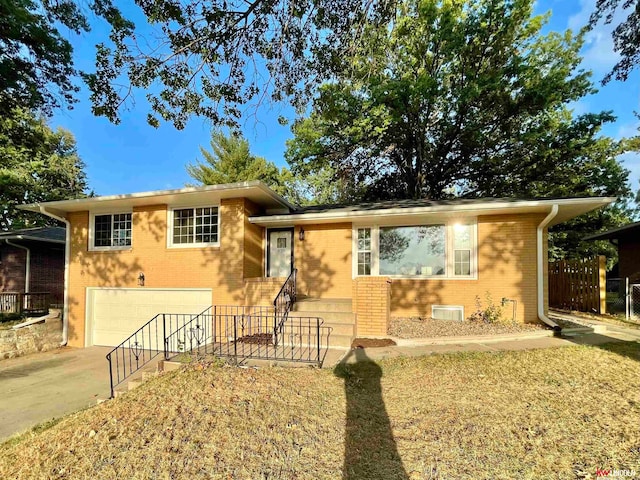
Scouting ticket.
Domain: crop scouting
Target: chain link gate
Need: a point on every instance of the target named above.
(634, 302)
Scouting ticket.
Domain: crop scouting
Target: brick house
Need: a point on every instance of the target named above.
(132, 256)
(32, 260)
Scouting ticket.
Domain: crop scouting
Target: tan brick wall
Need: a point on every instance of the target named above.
(218, 268)
(506, 268)
(371, 300)
(253, 243)
(262, 291)
(323, 260)
(506, 263)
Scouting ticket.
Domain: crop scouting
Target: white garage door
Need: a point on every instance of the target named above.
(115, 313)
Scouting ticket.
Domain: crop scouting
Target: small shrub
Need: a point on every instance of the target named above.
(492, 313)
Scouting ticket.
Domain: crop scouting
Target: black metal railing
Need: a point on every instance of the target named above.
(283, 303)
(144, 345)
(200, 331)
(242, 333)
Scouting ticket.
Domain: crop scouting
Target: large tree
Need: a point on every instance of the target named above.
(462, 100)
(37, 164)
(230, 160)
(36, 65)
(454, 100)
(212, 58)
(194, 57)
(626, 35)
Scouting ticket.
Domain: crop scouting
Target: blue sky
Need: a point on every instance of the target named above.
(134, 156)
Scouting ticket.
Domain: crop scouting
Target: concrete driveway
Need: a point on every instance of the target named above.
(39, 387)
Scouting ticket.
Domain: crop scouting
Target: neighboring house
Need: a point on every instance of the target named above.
(627, 239)
(132, 256)
(32, 261)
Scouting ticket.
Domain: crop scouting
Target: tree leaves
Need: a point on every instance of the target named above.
(211, 58)
(36, 165)
(462, 99)
(626, 35)
(230, 161)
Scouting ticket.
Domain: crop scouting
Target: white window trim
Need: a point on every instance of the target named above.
(170, 212)
(92, 217)
(449, 261)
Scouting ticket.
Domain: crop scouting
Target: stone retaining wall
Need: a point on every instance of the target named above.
(39, 337)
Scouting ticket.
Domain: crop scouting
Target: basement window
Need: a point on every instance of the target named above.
(447, 312)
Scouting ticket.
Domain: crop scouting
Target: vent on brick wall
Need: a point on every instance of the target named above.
(447, 312)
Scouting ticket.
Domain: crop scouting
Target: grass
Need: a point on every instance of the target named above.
(556, 413)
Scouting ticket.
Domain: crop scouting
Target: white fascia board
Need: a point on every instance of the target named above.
(64, 206)
(481, 208)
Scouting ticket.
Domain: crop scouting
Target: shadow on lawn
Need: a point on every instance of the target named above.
(625, 348)
(370, 449)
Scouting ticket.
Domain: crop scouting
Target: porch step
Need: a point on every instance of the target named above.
(341, 328)
(171, 365)
(307, 304)
(145, 373)
(340, 341)
(337, 318)
(327, 316)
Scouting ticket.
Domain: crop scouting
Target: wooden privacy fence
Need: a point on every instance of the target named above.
(578, 284)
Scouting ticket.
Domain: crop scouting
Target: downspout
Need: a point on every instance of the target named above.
(67, 256)
(27, 268)
(541, 315)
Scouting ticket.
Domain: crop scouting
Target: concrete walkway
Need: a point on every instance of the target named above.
(473, 344)
(609, 327)
(39, 387)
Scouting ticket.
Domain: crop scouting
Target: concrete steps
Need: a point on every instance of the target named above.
(323, 305)
(145, 373)
(337, 317)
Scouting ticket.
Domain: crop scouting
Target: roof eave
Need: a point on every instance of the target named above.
(591, 203)
(62, 207)
(32, 239)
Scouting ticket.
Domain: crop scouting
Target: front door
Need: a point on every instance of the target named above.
(280, 253)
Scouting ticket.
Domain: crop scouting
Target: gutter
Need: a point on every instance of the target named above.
(540, 257)
(67, 256)
(27, 269)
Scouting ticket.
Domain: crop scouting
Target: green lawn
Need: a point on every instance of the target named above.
(558, 413)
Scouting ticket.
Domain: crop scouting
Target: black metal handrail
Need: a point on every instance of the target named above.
(283, 303)
(143, 345)
(242, 333)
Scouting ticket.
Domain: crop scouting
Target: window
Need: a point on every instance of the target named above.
(111, 231)
(364, 251)
(413, 250)
(447, 312)
(462, 249)
(195, 226)
(428, 251)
